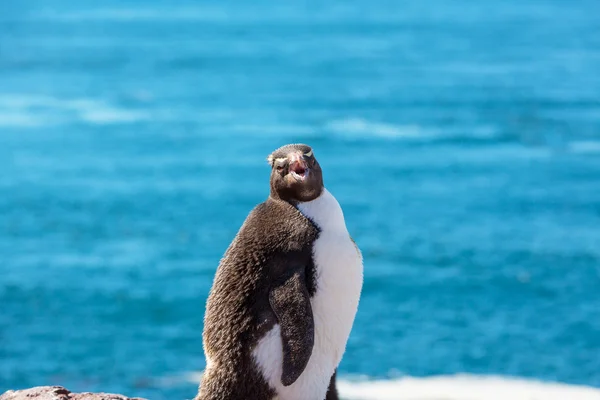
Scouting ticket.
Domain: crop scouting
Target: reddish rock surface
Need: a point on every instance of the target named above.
(59, 393)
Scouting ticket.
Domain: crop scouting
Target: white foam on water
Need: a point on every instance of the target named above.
(351, 128)
(359, 126)
(585, 147)
(12, 119)
(19, 101)
(448, 387)
(109, 115)
(20, 110)
(463, 387)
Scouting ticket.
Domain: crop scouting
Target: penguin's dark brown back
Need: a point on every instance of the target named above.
(237, 311)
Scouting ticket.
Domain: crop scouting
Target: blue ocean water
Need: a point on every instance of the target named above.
(461, 138)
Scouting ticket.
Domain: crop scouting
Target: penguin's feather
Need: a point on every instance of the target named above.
(290, 302)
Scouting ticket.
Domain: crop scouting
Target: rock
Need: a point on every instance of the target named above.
(59, 393)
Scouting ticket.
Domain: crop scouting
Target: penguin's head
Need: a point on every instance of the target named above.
(296, 175)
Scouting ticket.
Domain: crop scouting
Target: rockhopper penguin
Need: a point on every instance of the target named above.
(285, 293)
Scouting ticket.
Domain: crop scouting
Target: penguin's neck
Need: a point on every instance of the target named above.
(325, 212)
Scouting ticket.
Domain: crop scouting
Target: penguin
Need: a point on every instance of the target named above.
(285, 294)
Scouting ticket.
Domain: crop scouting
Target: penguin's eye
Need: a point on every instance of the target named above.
(279, 168)
(309, 154)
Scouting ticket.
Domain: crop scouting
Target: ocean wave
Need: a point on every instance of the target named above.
(585, 147)
(12, 119)
(463, 387)
(450, 387)
(358, 126)
(110, 115)
(30, 111)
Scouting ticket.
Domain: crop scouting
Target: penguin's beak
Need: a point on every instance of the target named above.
(298, 166)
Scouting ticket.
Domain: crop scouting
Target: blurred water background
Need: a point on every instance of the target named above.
(462, 139)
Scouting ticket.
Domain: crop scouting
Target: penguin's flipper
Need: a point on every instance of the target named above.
(332, 393)
(290, 302)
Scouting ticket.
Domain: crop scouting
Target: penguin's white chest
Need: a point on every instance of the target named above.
(339, 276)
